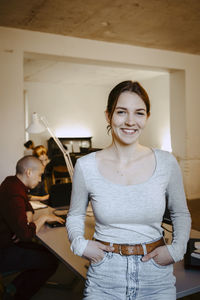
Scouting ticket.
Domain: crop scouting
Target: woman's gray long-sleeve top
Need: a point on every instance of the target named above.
(129, 214)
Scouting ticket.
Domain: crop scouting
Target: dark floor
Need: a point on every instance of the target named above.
(71, 287)
(63, 285)
(192, 297)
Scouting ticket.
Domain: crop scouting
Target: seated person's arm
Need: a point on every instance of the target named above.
(19, 218)
(38, 193)
(29, 216)
(47, 218)
(39, 222)
(38, 198)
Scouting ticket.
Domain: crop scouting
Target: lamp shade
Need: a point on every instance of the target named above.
(36, 125)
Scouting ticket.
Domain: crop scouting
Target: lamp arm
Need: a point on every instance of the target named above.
(60, 146)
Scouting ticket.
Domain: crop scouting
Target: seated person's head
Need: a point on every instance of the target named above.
(29, 170)
(29, 144)
(41, 153)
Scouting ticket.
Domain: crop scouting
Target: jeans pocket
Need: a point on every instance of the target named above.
(157, 265)
(100, 262)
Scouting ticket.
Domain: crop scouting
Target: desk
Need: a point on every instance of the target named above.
(56, 240)
(187, 280)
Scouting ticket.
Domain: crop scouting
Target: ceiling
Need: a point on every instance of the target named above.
(162, 24)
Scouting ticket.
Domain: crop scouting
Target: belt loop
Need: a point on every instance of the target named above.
(120, 250)
(144, 249)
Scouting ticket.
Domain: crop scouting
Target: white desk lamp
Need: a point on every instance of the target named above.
(38, 125)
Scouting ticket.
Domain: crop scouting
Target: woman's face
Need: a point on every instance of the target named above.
(129, 118)
(44, 159)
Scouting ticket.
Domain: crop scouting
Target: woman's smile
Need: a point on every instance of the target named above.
(128, 131)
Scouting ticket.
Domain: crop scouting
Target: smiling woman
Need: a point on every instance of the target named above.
(127, 184)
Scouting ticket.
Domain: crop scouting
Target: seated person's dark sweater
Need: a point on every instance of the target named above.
(18, 252)
(14, 204)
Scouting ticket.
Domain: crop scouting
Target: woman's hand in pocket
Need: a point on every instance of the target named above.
(95, 251)
(161, 256)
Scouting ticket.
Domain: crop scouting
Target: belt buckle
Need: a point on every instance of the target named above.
(120, 250)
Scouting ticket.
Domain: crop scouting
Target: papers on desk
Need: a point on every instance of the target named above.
(195, 255)
(37, 204)
(192, 256)
(197, 245)
(196, 252)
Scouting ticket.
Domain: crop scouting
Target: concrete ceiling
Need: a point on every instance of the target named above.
(162, 24)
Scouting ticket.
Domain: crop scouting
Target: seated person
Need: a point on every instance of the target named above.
(29, 147)
(41, 153)
(17, 229)
(40, 193)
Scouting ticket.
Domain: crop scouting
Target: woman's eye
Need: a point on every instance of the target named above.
(141, 113)
(120, 112)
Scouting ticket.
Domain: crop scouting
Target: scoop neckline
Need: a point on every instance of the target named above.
(127, 185)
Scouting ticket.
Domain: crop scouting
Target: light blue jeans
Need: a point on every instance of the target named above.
(118, 277)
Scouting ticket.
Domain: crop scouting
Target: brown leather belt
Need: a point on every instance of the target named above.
(137, 249)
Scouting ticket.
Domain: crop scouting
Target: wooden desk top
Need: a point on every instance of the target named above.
(56, 240)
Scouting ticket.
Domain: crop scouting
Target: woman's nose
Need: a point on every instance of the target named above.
(130, 120)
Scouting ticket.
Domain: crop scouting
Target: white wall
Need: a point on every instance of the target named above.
(15, 42)
(11, 110)
(78, 110)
